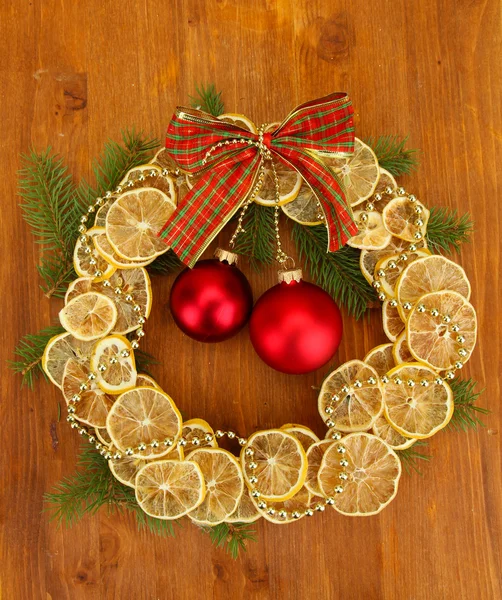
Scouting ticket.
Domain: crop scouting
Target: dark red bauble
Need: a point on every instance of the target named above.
(295, 327)
(212, 301)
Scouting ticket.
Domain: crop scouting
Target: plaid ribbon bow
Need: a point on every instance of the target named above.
(228, 157)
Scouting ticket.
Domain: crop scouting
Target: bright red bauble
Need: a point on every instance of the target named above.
(212, 301)
(295, 327)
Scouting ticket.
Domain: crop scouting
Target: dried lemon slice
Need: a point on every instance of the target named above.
(359, 172)
(401, 219)
(372, 235)
(246, 511)
(392, 322)
(384, 430)
(103, 436)
(373, 471)
(126, 468)
(149, 175)
(100, 219)
(303, 434)
(314, 457)
(348, 400)
(94, 405)
(415, 405)
(144, 416)
(89, 316)
(135, 219)
(446, 340)
(385, 181)
(169, 489)
(298, 503)
(290, 182)
(431, 274)
(57, 352)
(224, 485)
(143, 380)
(401, 351)
(305, 208)
(393, 267)
(380, 358)
(194, 432)
(105, 249)
(239, 120)
(113, 361)
(88, 263)
(278, 461)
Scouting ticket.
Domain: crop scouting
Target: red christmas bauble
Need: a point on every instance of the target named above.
(295, 327)
(212, 301)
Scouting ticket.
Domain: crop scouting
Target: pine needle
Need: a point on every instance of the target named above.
(28, 354)
(206, 98)
(231, 536)
(336, 272)
(257, 241)
(144, 360)
(446, 230)
(392, 154)
(465, 413)
(165, 263)
(410, 457)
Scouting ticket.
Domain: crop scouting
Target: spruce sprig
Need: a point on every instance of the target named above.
(233, 537)
(28, 355)
(165, 263)
(336, 272)
(257, 241)
(393, 155)
(446, 230)
(466, 412)
(410, 457)
(208, 99)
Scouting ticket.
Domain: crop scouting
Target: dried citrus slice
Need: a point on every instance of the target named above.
(113, 361)
(164, 161)
(431, 274)
(314, 457)
(373, 473)
(437, 343)
(246, 511)
(134, 282)
(149, 175)
(94, 404)
(58, 350)
(348, 400)
(144, 416)
(303, 434)
(143, 380)
(392, 268)
(380, 358)
(392, 322)
(239, 120)
(290, 182)
(385, 181)
(134, 220)
(194, 433)
(126, 468)
(105, 249)
(401, 351)
(359, 172)
(333, 434)
(372, 235)
(89, 316)
(401, 219)
(169, 489)
(87, 260)
(279, 461)
(224, 485)
(298, 503)
(369, 258)
(103, 436)
(100, 219)
(384, 430)
(415, 405)
(305, 208)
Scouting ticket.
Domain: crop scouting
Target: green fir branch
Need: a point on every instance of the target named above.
(93, 486)
(410, 457)
(257, 241)
(28, 355)
(209, 100)
(392, 154)
(466, 412)
(336, 272)
(446, 230)
(165, 263)
(144, 360)
(233, 537)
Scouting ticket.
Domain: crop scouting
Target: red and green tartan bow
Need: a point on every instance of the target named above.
(228, 158)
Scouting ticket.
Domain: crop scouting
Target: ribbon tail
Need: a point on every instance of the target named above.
(209, 205)
(329, 192)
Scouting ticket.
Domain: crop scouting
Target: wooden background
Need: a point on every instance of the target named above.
(73, 74)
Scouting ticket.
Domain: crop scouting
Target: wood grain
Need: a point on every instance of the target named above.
(72, 74)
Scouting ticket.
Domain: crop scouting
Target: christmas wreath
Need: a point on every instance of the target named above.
(362, 237)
